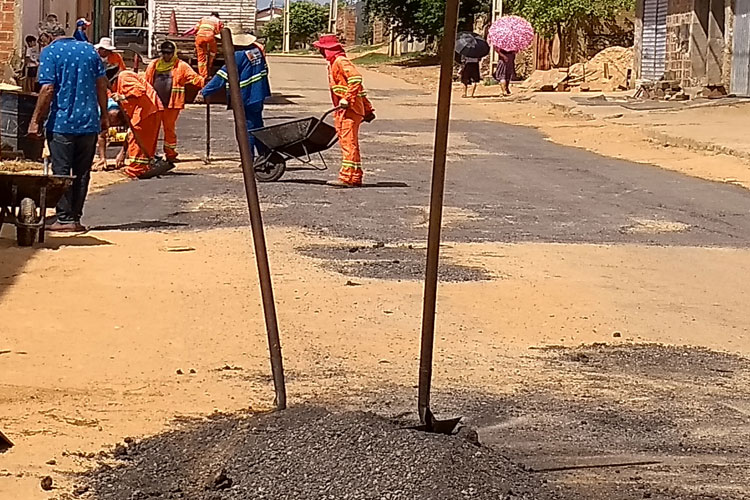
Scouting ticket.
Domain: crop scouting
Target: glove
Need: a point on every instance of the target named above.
(343, 104)
(369, 117)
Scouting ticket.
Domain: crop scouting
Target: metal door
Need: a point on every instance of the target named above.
(741, 52)
(654, 44)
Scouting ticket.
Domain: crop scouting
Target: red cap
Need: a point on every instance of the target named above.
(327, 42)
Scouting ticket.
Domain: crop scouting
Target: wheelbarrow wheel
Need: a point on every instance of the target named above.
(270, 171)
(26, 215)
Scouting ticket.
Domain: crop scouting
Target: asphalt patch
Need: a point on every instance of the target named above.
(307, 452)
(389, 263)
(678, 415)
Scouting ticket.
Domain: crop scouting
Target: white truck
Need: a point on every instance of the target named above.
(142, 28)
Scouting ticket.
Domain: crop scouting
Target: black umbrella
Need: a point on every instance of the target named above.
(472, 45)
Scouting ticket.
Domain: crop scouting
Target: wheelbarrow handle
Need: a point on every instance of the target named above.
(329, 112)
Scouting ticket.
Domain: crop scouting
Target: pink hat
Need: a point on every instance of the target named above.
(328, 42)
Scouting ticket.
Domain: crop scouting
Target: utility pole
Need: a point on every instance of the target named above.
(287, 24)
(333, 16)
(497, 12)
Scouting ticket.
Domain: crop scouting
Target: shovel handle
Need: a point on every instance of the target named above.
(137, 137)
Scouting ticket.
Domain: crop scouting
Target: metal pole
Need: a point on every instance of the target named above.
(497, 12)
(256, 221)
(333, 16)
(287, 25)
(208, 133)
(436, 207)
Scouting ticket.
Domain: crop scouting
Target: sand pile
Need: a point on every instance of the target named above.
(607, 71)
(19, 166)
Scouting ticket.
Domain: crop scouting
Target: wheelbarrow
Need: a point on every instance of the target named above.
(295, 140)
(24, 198)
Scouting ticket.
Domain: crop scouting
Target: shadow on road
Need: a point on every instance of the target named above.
(322, 182)
(136, 226)
(14, 258)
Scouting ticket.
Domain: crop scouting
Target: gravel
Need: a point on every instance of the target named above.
(308, 452)
(391, 262)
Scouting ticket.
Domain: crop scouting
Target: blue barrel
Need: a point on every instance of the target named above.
(16, 109)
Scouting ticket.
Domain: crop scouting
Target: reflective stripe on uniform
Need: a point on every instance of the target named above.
(254, 79)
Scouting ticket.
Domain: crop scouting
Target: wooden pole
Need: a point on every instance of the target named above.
(256, 221)
(497, 13)
(436, 208)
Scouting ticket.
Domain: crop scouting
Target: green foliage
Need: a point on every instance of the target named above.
(273, 32)
(307, 21)
(549, 16)
(422, 19)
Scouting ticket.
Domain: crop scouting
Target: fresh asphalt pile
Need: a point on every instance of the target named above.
(306, 452)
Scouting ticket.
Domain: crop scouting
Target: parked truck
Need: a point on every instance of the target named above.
(141, 29)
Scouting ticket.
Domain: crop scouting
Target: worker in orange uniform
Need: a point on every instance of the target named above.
(205, 42)
(106, 51)
(348, 94)
(141, 103)
(169, 75)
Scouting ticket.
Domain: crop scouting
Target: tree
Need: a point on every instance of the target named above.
(422, 19)
(307, 21)
(568, 18)
(273, 32)
(548, 16)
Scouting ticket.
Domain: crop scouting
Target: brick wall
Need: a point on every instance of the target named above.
(680, 17)
(346, 26)
(8, 26)
(379, 32)
(680, 7)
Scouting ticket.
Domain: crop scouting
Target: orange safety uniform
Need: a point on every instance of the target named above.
(182, 75)
(115, 59)
(346, 83)
(205, 43)
(144, 108)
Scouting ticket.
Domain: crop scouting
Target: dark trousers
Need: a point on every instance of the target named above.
(72, 155)
(254, 118)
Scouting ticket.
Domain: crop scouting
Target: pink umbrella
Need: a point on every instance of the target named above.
(511, 34)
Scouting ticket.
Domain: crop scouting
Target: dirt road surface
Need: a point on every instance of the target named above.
(561, 269)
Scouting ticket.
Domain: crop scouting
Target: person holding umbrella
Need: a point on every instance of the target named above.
(506, 69)
(472, 48)
(509, 35)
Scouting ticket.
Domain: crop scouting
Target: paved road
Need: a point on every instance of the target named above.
(505, 183)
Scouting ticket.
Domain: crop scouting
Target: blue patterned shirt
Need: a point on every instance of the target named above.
(72, 67)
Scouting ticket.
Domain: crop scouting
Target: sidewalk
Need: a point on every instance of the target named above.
(709, 125)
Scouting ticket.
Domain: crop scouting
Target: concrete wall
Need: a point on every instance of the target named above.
(32, 13)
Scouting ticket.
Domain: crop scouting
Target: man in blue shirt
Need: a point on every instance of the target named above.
(253, 70)
(80, 32)
(74, 90)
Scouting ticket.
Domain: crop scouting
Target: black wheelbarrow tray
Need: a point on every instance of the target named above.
(24, 198)
(295, 140)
